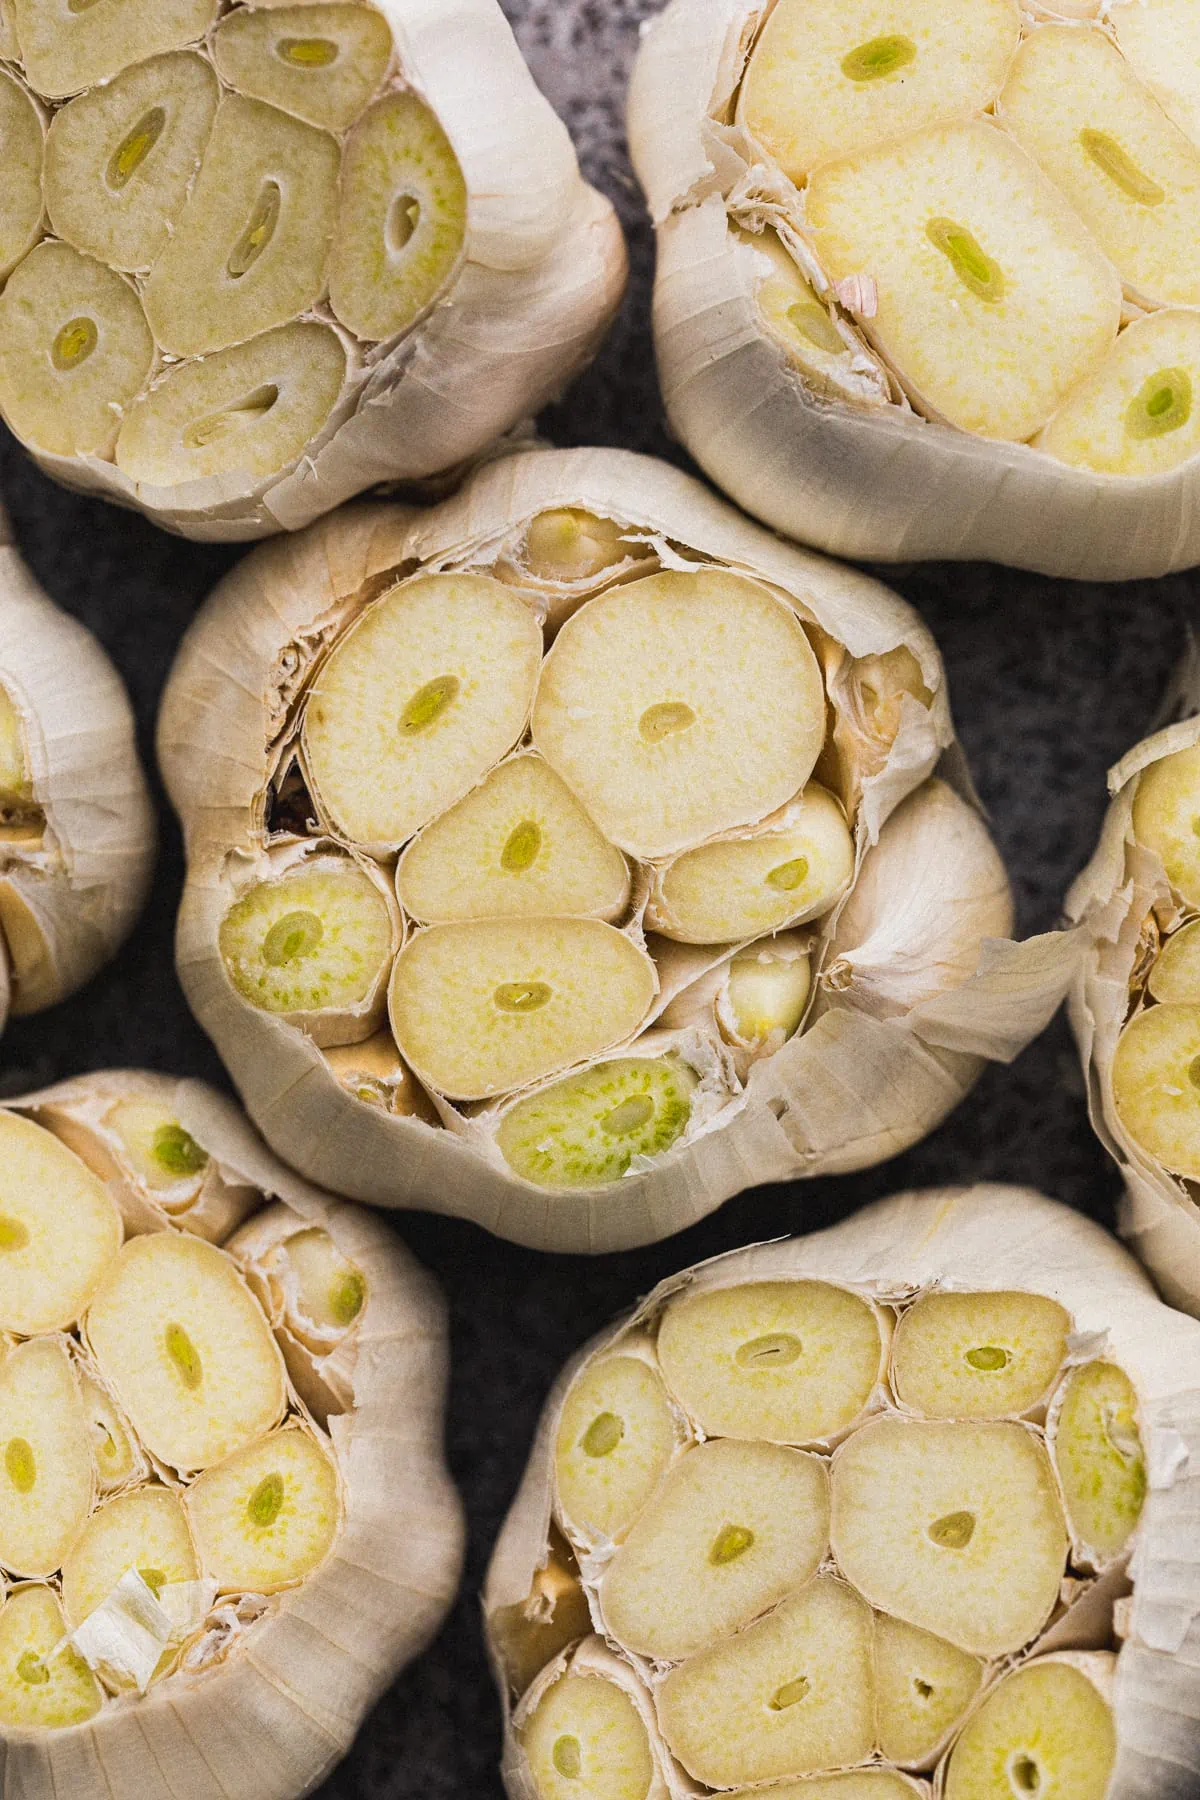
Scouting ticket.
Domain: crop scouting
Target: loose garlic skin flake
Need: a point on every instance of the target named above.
(1135, 1001)
(255, 258)
(77, 832)
(220, 1465)
(916, 264)
(947, 1610)
(679, 900)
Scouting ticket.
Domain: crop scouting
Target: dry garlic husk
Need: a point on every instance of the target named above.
(1136, 996)
(76, 825)
(257, 258)
(905, 1508)
(225, 1523)
(682, 904)
(925, 283)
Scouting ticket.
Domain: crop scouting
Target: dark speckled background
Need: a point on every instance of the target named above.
(1050, 682)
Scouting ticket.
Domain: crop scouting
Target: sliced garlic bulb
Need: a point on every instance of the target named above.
(77, 828)
(201, 1521)
(259, 258)
(985, 1601)
(630, 811)
(919, 249)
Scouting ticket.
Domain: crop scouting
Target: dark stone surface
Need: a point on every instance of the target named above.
(1051, 682)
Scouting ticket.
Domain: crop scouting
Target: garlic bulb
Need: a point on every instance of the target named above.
(224, 1520)
(681, 903)
(897, 1510)
(258, 258)
(76, 824)
(1135, 1001)
(925, 286)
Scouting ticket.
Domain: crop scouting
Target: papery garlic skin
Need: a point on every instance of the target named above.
(1134, 905)
(77, 830)
(160, 1657)
(1004, 1250)
(520, 1088)
(821, 442)
(340, 360)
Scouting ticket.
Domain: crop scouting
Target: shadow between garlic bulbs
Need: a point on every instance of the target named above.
(664, 1613)
(233, 1503)
(77, 830)
(834, 1033)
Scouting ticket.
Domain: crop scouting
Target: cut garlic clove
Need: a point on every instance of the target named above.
(829, 81)
(402, 219)
(42, 1685)
(924, 1686)
(806, 330)
(22, 133)
(1074, 104)
(375, 1073)
(731, 1530)
(972, 250)
(1099, 1456)
(784, 874)
(324, 1290)
(1045, 1729)
(75, 350)
(680, 706)
(486, 1008)
(586, 1737)
(266, 1519)
(321, 63)
(585, 1130)
(567, 544)
(313, 945)
(250, 410)
(1166, 818)
(765, 997)
(1156, 1085)
(1138, 413)
(248, 252)
(978, 1356)
(66, 45)
(1158, 40)
(520, 845)
(1175, 977)
(121, 158)
(114, 1452)
(790, 1695)
(45, 1460)
(146, 1530)
(426, 692)
(162, 1153)
(59, 1230)
(955, 1528)
(795, 1362)
(186, 1349)
(617, 1435)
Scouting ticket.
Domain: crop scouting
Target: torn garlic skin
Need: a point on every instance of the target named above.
(209, 1369)
(925, 284)
(1135, 1003)
(888, 1512)
(583, 854)
(77, 832)
(257, 258)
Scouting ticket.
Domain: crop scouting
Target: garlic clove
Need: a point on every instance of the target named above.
(1156, 1085)
(46, 1467)
(789, 1695)
(1175, 977)
(267, 1517)
(831, 81)
(568, 544)
(421, 697)
(978, 1356)
(1044, 1729)
(59, 1230)
(519, 845)
(121, 158)
(320, 63)
(765, 997)
(402, 188)
(1135, 414)
(324, 1290)
(1100, 1458)
(680, 706)
(617, 1435)
(145, 1529)
(586, 1735)
(21, 208)
(487, 1007)
(42, 1685)
(806, 329)
(1166, 818)
(75, 349)
(730, 1531)
(67, 47)
(587, 1129)
(924, 1687)
(162, 1153)
(114, 1452)
(375, 1073)
(793, 1362)
(971, 248)
(1157, 38)
(955, 1528)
